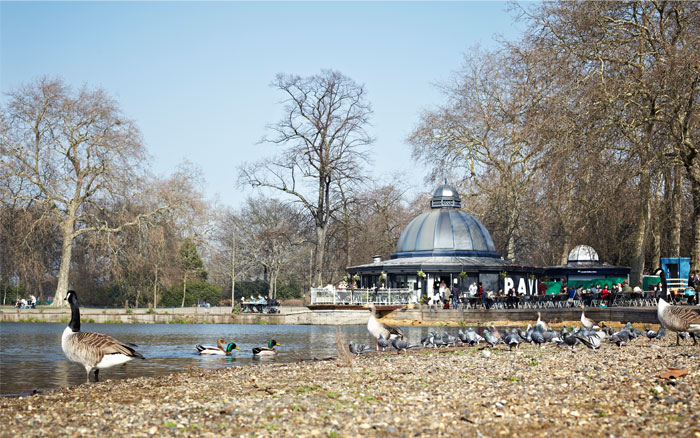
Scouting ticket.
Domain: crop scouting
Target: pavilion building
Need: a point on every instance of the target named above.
(446, 244)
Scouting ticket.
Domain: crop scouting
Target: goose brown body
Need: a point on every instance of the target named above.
(93, 350)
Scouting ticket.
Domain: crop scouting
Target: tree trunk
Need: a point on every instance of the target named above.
(138, 296)
(675, 214)
(319, 255)
(695, 248)
(271, 285)
(184, 289)
(67, 230)
(641, 228)
(155, 290)
(566, 247)
(655, 236)
(41, 293)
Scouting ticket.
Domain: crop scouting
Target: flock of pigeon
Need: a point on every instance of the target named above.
(685, 322)
(512, 338)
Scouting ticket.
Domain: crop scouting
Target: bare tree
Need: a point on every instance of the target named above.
(324, 131)
(75, 154)
(487, 131)
(621, 51)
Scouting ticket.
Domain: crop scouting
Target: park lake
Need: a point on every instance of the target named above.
(32, 358)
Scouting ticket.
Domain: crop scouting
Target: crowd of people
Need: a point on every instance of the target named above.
(446, 297)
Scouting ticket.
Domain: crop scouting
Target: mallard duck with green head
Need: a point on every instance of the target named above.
(206, 350)
(266, 351)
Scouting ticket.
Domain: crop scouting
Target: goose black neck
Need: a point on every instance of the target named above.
(74, 323)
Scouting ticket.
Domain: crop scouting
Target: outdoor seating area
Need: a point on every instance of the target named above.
(354, 297)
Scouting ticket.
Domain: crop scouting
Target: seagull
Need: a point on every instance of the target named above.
(92, 350)
(377, 328)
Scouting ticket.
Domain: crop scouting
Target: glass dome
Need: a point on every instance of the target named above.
(583, 254)
(445, 231)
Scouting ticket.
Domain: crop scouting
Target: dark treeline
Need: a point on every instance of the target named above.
(583, 131)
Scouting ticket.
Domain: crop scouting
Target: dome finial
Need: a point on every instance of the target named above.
(445, 196)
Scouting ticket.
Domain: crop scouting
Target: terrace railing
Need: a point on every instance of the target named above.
(392, 296)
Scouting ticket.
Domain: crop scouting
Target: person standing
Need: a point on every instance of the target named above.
(473, 290)
(455, 296)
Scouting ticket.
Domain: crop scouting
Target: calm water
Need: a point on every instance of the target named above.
(31, 357)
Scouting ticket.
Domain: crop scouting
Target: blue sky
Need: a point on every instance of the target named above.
(195, 76)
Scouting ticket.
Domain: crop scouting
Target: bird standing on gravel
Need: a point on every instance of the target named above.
(401, 345)
(382, 343)
(541, 323)
(377, 328)
(675, 318)
(358, 349)
(585, 321)
(572, 341)
(92, 350)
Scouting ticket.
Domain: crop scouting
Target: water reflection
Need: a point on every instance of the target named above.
(31, 356)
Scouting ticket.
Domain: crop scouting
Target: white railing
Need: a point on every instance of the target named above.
(364, 296)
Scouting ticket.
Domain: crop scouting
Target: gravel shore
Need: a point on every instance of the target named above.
(458, 391)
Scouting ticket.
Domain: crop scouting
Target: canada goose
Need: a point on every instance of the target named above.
(266, 351)
(585, 321)
(676, 318)
(377, 328)
(218, 350)
(92, 350)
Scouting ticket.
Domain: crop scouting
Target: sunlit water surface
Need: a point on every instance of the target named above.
(31, 357)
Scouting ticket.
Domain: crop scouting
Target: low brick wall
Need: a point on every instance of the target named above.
(302, 315)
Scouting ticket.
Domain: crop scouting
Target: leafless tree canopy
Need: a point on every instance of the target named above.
(324, 135)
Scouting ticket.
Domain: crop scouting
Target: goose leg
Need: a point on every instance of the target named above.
(678, 339)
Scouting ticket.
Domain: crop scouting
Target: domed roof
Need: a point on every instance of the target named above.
(445, 231)
(445, 196)
(583, 254)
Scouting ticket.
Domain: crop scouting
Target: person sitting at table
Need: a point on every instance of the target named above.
(510, 297)
(572, 295)
(261, 300)
(605, 296)
(626, 287)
